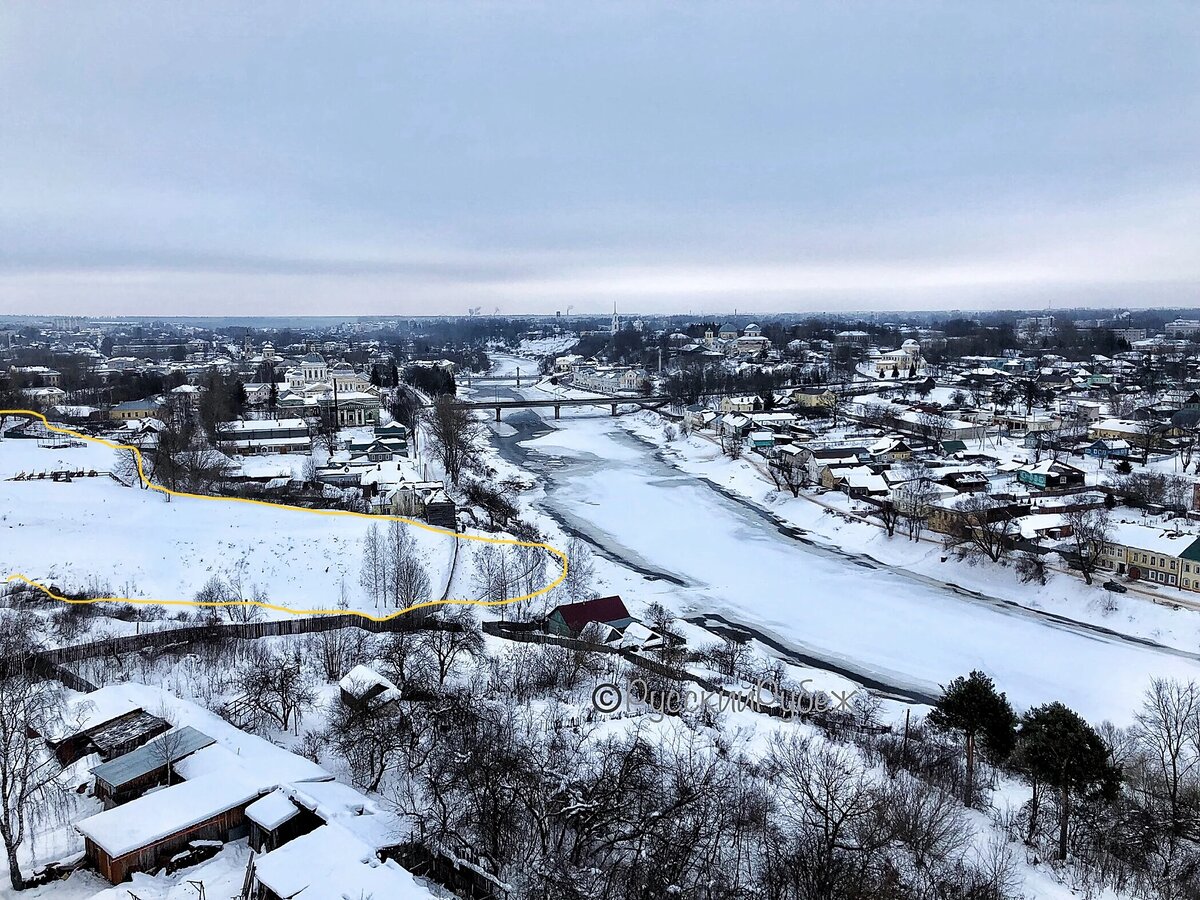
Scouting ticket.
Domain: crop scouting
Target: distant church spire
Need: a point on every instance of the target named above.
(616, 320)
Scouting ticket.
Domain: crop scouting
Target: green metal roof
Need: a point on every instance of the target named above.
(144, 760)
(1192, 552)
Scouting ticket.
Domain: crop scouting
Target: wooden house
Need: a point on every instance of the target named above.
(570, 619)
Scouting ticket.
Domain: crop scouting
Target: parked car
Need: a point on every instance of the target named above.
(1116, 587)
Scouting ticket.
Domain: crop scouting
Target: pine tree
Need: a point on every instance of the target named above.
(1060, 749)
(973, 707)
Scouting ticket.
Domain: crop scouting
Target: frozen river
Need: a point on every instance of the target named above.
(713, 555)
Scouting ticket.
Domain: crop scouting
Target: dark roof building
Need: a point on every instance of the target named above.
(110, 738)
(570, 619)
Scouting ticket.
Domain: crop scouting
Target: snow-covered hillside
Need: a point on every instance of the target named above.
(94, 534)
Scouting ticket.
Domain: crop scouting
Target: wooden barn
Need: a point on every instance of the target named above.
(143, 834)
(111, 738)
(127, 777)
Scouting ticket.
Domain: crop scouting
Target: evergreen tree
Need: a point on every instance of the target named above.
(1058, 748)
(974, 708)
(238, 399)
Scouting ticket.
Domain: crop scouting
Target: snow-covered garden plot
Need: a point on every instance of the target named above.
(94, 534)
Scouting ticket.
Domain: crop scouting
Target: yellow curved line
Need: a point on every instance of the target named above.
(145, 480)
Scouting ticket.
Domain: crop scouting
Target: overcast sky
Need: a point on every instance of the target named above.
(352, 158)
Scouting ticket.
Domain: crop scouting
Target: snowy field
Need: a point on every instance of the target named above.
(94, 534)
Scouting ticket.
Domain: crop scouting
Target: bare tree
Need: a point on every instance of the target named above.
(166, 749)
(1187, 448)
(447, 645)
(275, 690)
(729, 656)
(453, 431)
(371, 739)
(1178, 492)
(1090, 533)
(788, 472)
(407, 579)
(496, 499)
(125, 462)
(889, 515)
(29, 707)
(833, 405)
(494, 577)
(831, 805)
(336, 650)
(982, 528)
(167, 467)
(224, 596)
(731, 445)
(933, 427)
(373, 571)
(1165, 735)
(214, 592)
(1149, 433)
(202, 470)
(913, 496)
(581, 571)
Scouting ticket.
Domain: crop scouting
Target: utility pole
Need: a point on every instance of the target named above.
(336, 417)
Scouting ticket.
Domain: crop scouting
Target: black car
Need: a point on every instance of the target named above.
(1115, 586)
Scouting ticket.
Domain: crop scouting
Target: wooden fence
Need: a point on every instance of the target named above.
(794, 706)
(151, 640)
(51, 663)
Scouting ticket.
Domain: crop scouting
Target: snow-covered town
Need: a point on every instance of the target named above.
(799, 550)
(502, 450)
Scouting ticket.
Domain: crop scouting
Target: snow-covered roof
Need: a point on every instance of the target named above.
(234, 748)
(1030, 526)
(331, 862)
(1151, 538)
(359, 681)
(389, 472)
(863, 478)
(272, 810)
(261, 425)
(155, 816)
(176, 744)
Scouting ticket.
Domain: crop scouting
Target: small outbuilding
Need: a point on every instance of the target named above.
(126, 777)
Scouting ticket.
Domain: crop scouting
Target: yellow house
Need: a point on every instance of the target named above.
(135, 409)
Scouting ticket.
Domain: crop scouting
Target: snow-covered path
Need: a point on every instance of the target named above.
(727, 558)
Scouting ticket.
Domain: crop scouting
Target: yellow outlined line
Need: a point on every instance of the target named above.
(137, 455)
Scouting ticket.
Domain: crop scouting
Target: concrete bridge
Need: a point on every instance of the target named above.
(654, 402)
(469, 380)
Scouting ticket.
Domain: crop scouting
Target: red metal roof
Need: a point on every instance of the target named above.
(601, 609)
